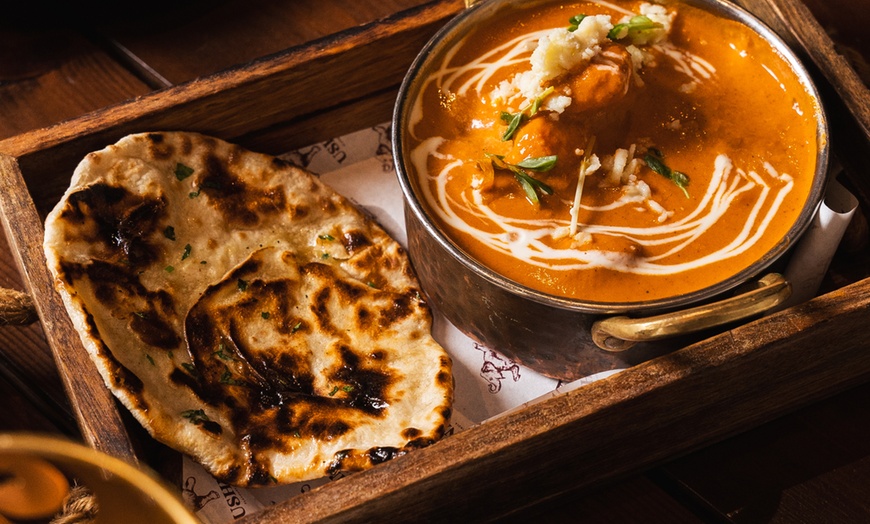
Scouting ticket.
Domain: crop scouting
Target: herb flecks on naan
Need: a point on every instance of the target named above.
(244, 312)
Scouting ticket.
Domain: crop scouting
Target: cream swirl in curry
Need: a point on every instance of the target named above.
(614, 152)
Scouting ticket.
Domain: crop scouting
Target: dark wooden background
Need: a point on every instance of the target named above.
(58, 63)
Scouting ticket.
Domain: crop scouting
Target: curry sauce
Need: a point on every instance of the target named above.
(614, 152)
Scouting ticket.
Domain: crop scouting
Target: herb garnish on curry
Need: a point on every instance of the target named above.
(614, 151)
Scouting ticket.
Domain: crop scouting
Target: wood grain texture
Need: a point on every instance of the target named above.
(620, 425)
(768, 475)
(846, 22)
(38, 359)
(633, 500)
(260, 95)
(49, 75)
(96, 412)
(511, 466)
(795, 23)
(200, 38)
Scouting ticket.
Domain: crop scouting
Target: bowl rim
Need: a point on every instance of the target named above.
(455, 29)
(76, 457)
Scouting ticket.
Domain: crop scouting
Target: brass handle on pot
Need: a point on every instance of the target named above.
(620, 333)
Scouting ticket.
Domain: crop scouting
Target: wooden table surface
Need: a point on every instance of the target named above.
(812, 465)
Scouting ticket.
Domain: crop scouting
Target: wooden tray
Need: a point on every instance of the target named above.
(626, 423)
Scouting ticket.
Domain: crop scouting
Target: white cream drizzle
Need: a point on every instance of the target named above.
(689, 64)
(532, 240)
(528, 240)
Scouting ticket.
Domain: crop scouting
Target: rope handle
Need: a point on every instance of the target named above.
(16, 308)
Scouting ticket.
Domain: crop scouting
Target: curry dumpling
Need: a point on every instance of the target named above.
(607, 152)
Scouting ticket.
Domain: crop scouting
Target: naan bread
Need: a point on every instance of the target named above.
(245, 313)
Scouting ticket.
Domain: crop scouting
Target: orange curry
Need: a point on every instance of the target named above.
(614, 152)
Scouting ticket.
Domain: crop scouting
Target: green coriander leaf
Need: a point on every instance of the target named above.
(296, 327)
(334, 391)
(169, 269)
(182, 171)
(265, 315)
(539, 164)
(642, 23)
(655, 160)
(324, 256)
(327, 237)
(679, 178)
(195, 416)
(682, 181)
(536, 103)
(193, 194)
(574, 22)
(221, 352)
(186, 252)
(242, 284)
(535, 183)
(618, 32)
(169, 233)
(151, 360)
(227, 378)
(530, 185)
(515, 120)
(513, 125)
(636, 26)
(529, 189)
(657, 165)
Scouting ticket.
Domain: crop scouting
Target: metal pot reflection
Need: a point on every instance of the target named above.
(556, 336)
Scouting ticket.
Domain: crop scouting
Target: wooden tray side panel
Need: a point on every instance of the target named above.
(320, 78)
(99, 420)
(636, 419)
(266, 93)
(621, 425)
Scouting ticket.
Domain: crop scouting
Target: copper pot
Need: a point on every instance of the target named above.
(566, 338)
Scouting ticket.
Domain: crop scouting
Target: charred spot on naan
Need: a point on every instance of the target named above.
(162, 149)
(151, 313)
(119, 375)
(353, 241)
(116, 218)
(240, 203)
(253, 356)
(263, 324)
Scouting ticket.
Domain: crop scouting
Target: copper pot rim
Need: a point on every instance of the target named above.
(455, 29)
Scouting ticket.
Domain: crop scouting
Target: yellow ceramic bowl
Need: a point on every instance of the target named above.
(40, 465)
